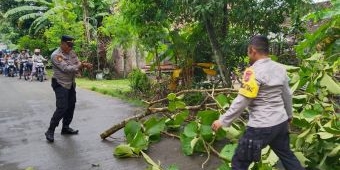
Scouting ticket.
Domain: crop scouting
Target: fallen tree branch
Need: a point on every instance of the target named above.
(149, 111)
(153, 110)
(122, 124)
(228, 90)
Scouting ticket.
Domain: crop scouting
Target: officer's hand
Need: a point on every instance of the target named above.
(216, 125)
(80, 65)
(290, 120)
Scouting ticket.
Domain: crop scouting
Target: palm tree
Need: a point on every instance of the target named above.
(39, 10)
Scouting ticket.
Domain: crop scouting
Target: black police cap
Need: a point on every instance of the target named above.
(66, 38)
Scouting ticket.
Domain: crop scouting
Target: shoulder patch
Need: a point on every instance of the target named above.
(247, 75)
(249, 87)
(59, 58)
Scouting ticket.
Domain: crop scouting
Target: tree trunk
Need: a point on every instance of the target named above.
(159, 71)
(86, 20)
(225, 23)
(124, 63)
(218, 55)
(137, 57)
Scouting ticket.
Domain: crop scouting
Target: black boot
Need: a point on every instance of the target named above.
(50, 135)
(69, 131)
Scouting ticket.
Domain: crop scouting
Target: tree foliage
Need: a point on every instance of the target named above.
(30, 43)
(326, 36)
(64, 23)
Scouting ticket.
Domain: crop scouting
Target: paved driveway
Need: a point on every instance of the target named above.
(25, 111)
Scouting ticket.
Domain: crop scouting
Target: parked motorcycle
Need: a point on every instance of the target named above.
(26, 70)
(40, 70)
(2, 65)
(11, 68)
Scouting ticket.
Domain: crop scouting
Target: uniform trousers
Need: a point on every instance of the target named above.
(65, 103)
(277, 137)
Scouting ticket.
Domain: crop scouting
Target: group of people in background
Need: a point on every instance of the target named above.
(18, 59)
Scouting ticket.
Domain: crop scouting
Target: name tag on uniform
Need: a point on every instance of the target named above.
(249, 87)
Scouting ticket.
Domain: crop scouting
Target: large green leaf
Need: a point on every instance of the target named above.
(332, 127)
(310, 113)
(228, 151)
(153, 165)
(295, 86)
(222, 101)
(199, 145)
(171, 96)
(332, 130)
(154, 126)
(315, 57)
(191, 129)
(330, 84)
(290, 68)
(172, 106)
(207, 117)
(325, 135)
(180, 105)
(300, 122)
(232, 133)
(304, 133)
(188, 144)
(131, 129)
(123, 151)
(206, 132)
(42, 2)
(177, 119)
(221, 134)
(140, 141)
(302, 159)
(335, 151)
(299, 97)
(272, 159)
(29, 16)
(24, 9)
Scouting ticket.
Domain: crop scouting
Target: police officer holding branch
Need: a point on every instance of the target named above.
(266, 93)
(66, 66)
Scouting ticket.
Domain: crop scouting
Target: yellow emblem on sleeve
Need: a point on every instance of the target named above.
(249, 87)
(59, 58)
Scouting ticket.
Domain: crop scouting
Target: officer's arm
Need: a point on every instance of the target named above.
(235, 110)
(287, 98)
(59, 62)
(247, 92)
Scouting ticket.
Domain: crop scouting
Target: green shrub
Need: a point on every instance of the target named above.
(139, 82)
(30, 43)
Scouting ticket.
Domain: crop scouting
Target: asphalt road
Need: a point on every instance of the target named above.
(25, 111)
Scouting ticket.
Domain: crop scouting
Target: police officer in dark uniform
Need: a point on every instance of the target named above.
(266, 93)
(65, 66)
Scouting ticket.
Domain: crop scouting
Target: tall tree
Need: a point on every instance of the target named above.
(229, 23)
(37, 10)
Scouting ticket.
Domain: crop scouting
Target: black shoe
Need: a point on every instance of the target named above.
(49, 136)
(69, 131)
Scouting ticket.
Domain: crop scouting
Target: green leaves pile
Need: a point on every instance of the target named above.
(138, 136)
(316, 123)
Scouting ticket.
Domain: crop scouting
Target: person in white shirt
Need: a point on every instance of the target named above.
(37, 57)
